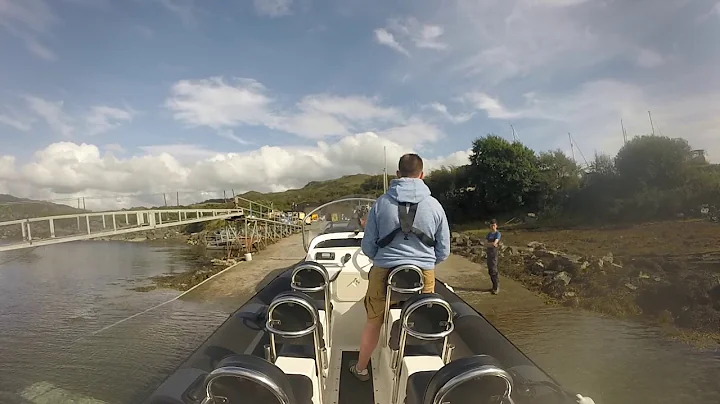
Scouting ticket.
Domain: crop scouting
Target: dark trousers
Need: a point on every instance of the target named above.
(492, 264)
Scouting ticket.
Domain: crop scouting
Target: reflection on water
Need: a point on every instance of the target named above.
(612, 361)
(51, 296)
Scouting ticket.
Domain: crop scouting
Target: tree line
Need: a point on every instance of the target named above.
(650, 178)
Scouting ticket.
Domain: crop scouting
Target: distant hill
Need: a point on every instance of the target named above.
(13, 208)
(319, 192)
(314, 193)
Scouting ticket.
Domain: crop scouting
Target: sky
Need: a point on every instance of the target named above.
(118, 97)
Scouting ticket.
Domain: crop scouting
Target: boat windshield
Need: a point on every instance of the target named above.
(340, 216)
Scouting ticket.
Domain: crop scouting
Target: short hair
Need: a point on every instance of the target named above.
(493, 221)
(410, 165)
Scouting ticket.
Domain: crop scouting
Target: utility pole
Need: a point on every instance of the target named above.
(651, 124)
(572, 148)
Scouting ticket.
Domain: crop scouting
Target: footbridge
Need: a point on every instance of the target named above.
(47, 230)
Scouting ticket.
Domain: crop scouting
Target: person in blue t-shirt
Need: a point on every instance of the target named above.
(492, 246)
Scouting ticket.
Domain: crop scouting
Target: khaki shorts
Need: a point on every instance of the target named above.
(377, 288)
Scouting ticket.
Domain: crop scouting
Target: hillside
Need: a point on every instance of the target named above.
(12, 208)
(317, 192)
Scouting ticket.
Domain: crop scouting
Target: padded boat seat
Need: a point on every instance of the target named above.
(297, 387)
(423, 386)
(294, 317)
(312, 274)
(428, 320)
(320, 304)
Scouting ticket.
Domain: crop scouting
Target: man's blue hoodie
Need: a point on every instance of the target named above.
(383, 219)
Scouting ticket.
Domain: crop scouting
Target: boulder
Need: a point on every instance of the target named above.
(537, 268)
(608, 258)
(563, 277)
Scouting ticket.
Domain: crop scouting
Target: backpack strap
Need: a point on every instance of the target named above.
(406, 216)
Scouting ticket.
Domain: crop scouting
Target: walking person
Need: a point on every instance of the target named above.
(406, 225)
(492, 248)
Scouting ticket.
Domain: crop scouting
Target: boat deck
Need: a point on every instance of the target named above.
(352, 390)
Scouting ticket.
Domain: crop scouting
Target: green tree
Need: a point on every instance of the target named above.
(505, 173)
(654, 162)
(558, 176)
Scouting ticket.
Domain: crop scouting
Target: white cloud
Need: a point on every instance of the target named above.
(214, 103)
(28, 20)
(443, 110)
(400, 30)
(40, 50)
(17, 121)
(493, 107)
(229, 134)
(102, 119)
(273, 8)
(559, 3)
(98, 119)
(221, 105)
(184, 9)
(52, 113)
(383, 37)
(114, 147)
(70, 170)
(7, 167)
(593, 112)
(415, 134)
(649, 58)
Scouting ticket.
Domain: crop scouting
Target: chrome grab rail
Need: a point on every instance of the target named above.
(405, 330)
(325, 287)
(241, 373)
(391, 288)
(482, 371)
(320, 354)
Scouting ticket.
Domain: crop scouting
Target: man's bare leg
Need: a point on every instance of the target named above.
(368, 342)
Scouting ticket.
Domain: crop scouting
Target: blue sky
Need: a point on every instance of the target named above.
(268, 94)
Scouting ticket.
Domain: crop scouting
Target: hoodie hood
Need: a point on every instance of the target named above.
(412, 190)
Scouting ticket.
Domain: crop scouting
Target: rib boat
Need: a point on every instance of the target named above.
(292, 343)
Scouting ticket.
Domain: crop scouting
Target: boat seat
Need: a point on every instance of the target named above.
(293, 318)
(487, 388)
(298, 388)
(312, 279)
(427, 320)
(403, 282)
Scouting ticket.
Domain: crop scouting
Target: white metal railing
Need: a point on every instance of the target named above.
(116, 223)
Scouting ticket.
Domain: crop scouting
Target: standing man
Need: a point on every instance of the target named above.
(492, 243)
(406, 225)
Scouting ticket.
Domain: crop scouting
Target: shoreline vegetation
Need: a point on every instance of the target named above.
(634, 236)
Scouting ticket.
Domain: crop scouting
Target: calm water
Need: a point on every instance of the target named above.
(54, 295)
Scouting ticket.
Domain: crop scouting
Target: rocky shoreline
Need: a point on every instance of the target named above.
(649, 289)
(186, 280)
